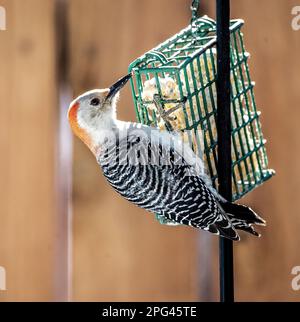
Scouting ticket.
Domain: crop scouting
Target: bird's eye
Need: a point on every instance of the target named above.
(95, 101)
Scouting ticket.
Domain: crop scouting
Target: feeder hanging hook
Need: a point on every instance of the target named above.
(194, 7)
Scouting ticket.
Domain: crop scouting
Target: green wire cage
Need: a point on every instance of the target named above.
(174, 88)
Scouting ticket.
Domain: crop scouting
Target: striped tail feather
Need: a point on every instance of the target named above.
(224, 228)
(242, 217)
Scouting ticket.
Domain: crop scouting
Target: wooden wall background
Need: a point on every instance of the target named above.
(28, 105)
(118, 251)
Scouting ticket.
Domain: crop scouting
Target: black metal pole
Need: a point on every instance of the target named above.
(224, 141)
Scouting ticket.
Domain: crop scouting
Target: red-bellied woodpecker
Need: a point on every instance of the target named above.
(154, 169)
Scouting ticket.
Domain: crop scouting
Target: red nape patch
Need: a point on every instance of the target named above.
(77, 130)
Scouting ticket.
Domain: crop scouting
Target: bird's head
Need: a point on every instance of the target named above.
(95, 111)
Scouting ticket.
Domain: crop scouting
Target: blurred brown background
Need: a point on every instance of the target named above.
(91, 244)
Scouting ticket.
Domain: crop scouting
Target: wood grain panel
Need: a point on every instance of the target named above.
(28, 105)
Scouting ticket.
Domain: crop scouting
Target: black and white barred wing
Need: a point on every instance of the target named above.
(153, 174)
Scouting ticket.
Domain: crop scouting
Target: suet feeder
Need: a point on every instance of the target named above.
(174, 88)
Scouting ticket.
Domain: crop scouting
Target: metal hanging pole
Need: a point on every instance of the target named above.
(224, 141)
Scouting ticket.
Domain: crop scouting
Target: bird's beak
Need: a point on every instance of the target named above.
(116, 87)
